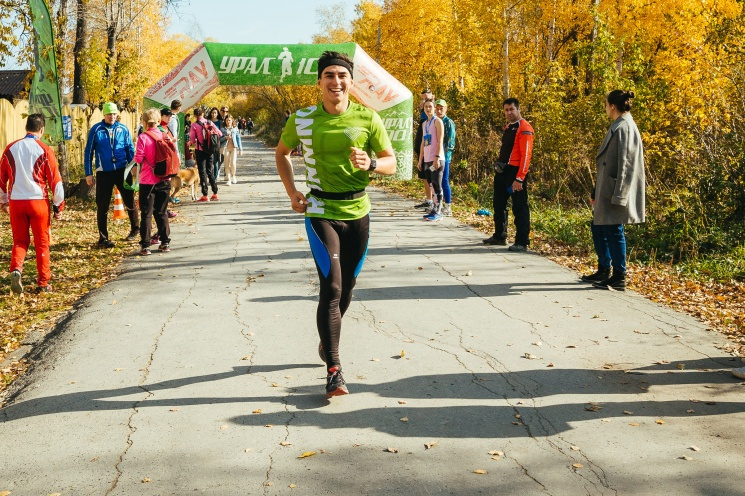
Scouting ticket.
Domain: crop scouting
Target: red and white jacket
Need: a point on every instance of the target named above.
(522, 150)
(27, 167)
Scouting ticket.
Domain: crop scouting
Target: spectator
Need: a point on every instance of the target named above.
(173, 120)
(441, 108)
(432, 158)
(422, 174)
(511, 178)
(154, 190)
(110, 143)
(232, 147)
(249, 126)
(618, 197)
(204, 159)
(27, 168)
(216, 119)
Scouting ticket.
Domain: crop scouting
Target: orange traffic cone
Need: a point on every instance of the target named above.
(119, 212)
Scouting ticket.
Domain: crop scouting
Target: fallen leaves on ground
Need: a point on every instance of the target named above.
(307, 454)
(430, 445)
(391, 450)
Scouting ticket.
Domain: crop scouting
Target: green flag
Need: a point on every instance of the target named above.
(44, 97)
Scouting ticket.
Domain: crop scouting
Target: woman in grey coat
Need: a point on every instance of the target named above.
(618, 197)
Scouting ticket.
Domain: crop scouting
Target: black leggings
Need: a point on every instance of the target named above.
(339, 248)
(154, 203)
(105, 181)
(435, 178)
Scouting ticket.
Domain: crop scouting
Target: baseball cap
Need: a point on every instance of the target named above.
(110, 108)
(441, 102)
(165, 111)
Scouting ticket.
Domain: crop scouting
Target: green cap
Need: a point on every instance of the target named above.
(441, 102)
(110, 108)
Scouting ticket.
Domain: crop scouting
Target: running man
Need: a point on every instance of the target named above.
(338, 137)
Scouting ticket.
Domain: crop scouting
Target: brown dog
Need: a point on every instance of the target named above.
(186, 177)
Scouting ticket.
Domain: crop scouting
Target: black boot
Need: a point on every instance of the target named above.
(602, 274)
(616, 281)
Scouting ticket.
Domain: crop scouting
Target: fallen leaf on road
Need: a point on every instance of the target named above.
(479, 471)
(146, 479)
(660, 422)
(247, 357)
(391, 450)
(403, 353)
(681, 366)
(577, 465)
(626, 412)
(687, 458)
(694, 448)
(404, 419)
(661, 362)
(274, 384)
(574, 448)
(495, 458)
(292, 486)
(550, 364)
(409, 341)
(690, 411)
(285, 443)
(537, 343)
(307, 454)
(269, 426)
(118, 369)
(375, 359)
(496, 453)
(420, 268)
(174, 409)
(4, 493)
(223, 427)
(269, 483)
(258, 410)
(430, 445)
(605, 420)
(529, 356)
(572, 346)
(592, 407)
(401, 402)
(469, 273)
(634, 424)
(640, 332)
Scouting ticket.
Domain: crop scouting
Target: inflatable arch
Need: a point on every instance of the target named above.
(214, 64)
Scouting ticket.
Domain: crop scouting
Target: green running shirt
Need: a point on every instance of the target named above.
(327, 140)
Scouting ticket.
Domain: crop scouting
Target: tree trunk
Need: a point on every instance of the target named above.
(590, 76)
(78, 91)
(111, 50)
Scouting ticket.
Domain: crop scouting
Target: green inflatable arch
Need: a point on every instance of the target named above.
(213, 64)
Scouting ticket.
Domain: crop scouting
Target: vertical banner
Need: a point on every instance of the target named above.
(44, 97)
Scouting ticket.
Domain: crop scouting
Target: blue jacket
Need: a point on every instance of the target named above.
(449, 139)
(234, 134)
(105, 142)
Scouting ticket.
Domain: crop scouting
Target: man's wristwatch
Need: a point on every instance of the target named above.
(373, 165)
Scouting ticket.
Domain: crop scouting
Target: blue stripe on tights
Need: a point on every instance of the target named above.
(320, 253)
(364, 255)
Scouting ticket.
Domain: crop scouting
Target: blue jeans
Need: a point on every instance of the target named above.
(446, 179)
(610, 246)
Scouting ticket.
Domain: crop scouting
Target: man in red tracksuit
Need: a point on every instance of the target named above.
(511, 179)
(27, 168)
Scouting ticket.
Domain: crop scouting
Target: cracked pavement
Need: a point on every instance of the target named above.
(196, 371)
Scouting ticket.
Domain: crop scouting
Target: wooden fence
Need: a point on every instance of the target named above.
(13, 123)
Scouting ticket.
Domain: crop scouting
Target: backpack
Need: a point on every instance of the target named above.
(210, 138)
(166, 157)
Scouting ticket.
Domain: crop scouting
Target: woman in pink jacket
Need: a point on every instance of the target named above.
(154, 190)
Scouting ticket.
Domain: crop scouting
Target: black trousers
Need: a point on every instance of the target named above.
(520, 208)
(154, 203)
(105, 182)
(339, 248)
(206, 171)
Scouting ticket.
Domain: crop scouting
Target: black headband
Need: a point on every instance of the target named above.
(328, 62)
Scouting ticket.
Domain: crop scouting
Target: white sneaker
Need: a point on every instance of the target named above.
(234, 180)
(446, 210)
(228, 183)
(739, 373)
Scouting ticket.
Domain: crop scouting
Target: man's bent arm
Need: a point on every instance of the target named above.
(287, 175)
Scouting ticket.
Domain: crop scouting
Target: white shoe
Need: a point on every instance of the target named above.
(234, 180)
(739, 373)
(228, 183)
(447, 210)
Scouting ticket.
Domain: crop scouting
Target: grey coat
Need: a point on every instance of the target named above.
(619, 189)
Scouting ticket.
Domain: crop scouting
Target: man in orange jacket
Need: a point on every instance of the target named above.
(27, 168)
(511, 178)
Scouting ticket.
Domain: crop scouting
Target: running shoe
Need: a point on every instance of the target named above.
(172, 214)
(145, 252)
(447, 211)
(518, 248)
(105, 243)
(16, 285)
(431, 212)
(493, 240)
(433, 217)
(164, 248)
(154, 239)
(424, 204)
(203, 198)
(335, 384)
(214, 197)
(44, 289)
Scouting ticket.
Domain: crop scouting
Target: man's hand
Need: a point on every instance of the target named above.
(299, 202)
(517, 186)
(89, 180)
(360, 159)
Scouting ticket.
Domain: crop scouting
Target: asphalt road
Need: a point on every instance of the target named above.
(196, 372)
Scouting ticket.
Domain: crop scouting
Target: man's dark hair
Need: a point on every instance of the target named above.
(427, 90)
(35, 122)
(287, 113)
(511, 101)
(198, 112)
(429, 100)
(335, 58)
(176, 104)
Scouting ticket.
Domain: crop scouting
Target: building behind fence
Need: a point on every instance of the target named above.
(13, 123)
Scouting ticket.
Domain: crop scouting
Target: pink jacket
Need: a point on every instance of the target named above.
(145, 156)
